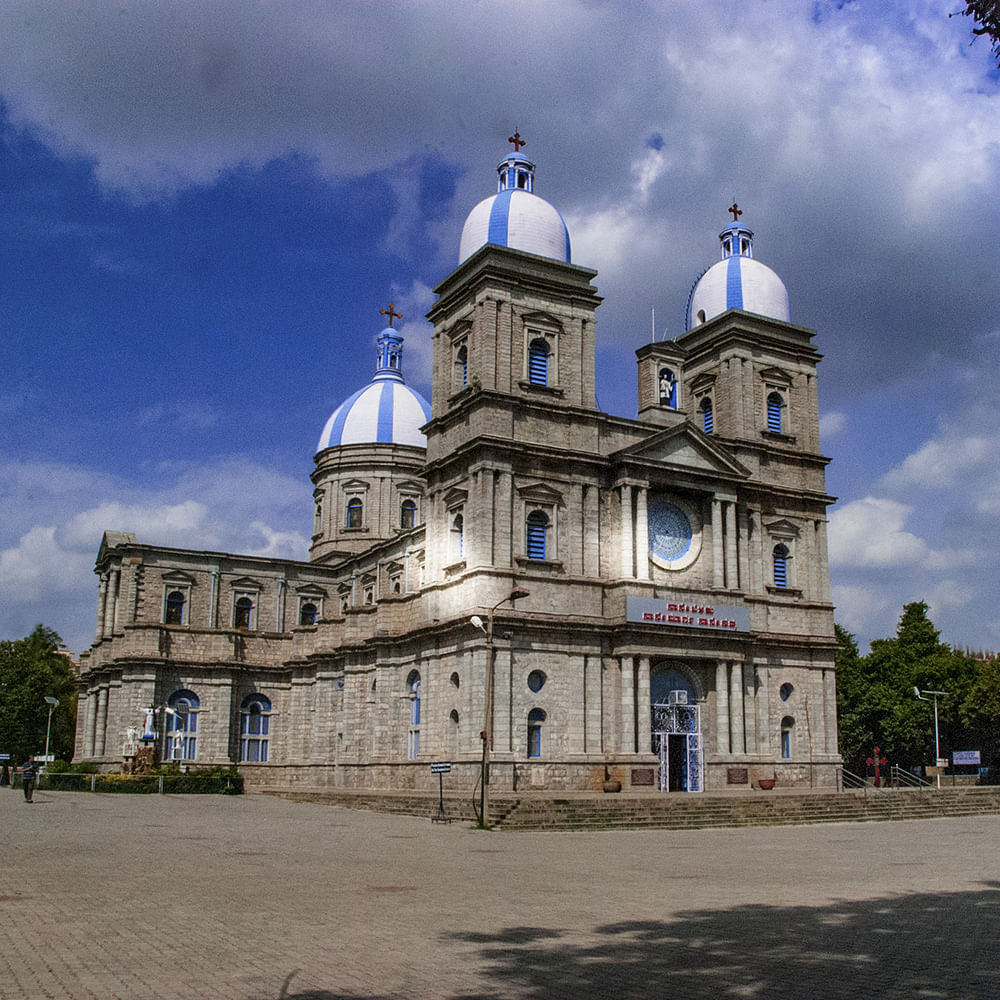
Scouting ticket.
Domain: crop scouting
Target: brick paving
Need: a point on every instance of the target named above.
(117, 897)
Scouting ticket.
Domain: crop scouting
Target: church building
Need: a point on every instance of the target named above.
(593, 597)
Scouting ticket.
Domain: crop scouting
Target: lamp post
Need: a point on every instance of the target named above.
(487, 734)
(53, 704)
(937, 741)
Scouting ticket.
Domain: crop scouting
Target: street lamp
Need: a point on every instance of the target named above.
(487, 734)
(53, 704)
(937, 742)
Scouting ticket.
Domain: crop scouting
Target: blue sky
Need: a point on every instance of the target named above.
(205, 204)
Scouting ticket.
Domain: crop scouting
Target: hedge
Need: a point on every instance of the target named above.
(215, 782)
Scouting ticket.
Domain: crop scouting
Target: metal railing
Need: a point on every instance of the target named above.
(848, 779)
(902, 778)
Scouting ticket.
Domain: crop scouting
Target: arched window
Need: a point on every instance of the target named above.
(536, 718)
(255, 729)
(243, 613)
(407, 514)
(774, 406)
(787, 730)
(413, 687)
(538, 361)
(780, 566)
(175, 608)
(457, 531)
(462, 366)
(455, 740)
(707, 424)
(182, 726)
(355, 510)
(536, 532)
(318, 518)
(307, 614)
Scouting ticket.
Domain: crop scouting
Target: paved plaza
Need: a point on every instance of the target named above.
(255, 898)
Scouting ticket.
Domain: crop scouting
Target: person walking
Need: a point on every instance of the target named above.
(28, 777)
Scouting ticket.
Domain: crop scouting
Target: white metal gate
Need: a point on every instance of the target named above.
(684, 723)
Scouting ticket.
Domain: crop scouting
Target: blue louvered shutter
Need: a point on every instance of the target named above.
(538, 362)
(774, 404)
(537, 526)
(780, 566)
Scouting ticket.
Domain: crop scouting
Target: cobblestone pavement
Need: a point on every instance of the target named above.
(254, 898)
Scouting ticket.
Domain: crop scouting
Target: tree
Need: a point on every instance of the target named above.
(980, 710)
(986, 15)
(30, 670)
(875, 695)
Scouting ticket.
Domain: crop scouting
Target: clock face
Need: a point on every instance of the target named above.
(674, 542)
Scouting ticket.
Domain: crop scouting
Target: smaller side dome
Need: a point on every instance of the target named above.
(386, 411)
(738, 281)
(515, 216)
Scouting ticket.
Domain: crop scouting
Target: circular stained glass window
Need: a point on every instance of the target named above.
(669, 531)
(674, 533)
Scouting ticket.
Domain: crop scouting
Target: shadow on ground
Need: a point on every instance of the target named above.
(941, 945)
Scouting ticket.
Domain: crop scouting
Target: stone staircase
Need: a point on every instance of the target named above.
(536, 811)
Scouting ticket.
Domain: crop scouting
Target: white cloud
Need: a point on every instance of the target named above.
(832, 423)
(870, 532)
(943, 462)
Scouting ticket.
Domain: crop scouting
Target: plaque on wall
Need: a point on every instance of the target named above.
(737, 776)
(643, 776)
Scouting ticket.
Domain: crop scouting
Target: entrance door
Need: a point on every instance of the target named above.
(677, 742)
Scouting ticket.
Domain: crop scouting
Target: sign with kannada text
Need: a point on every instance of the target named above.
(723, 618)
(965, 757)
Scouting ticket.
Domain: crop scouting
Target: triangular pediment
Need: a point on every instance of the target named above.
(245, 583)
(776, 376)
(310, 590)
(782, 528)
(177, 577)
(684, 447)
(538, 318)
(540, 493)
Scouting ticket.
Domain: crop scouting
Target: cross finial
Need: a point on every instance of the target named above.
(736, 210)
(517, 140)
(389, 312)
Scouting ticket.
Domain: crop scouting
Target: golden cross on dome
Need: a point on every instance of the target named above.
(736, 210)
(389, 312)
(517, 140)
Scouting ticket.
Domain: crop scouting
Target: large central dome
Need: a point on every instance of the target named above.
(515, 216)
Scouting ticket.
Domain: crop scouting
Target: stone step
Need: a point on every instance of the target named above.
(597, 812)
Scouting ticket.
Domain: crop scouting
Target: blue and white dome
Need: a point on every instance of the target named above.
(738, 281)
(515, 216)
(386, 411)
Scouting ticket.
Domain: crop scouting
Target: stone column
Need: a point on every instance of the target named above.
(718, 571)
(502, 518)
(823, 562)
(830, 711)
(764, 723)
(102, 723)
(628, 705)
(90, 734)
(641, 534)
(627, 542)
(746, 671)
(591, 531)
(756, 553)
(722, 708)
(102, 596)
(644, 708)
(110, 603)
(503, 707)
(732, 567)
(743, 547)
(736, 707)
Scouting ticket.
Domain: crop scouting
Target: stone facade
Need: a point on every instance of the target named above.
(675, 560)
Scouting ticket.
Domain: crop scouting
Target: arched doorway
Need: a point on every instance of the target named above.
(676, 728)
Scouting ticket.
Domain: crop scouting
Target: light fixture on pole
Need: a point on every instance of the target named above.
(937, 740)
(53, 704)
(487, 734)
